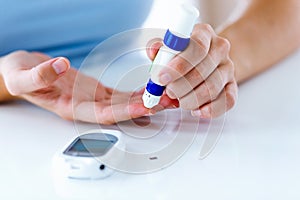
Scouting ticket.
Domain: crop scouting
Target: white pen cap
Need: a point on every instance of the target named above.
(184, 19)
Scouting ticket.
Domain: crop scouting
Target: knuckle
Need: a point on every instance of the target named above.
(211, 91)
(202, 92)
(231, 96)
(202, 35)
(231, 68)
(18, 53)
(223, 44)
(203, 26)
(39, 81)
(197, 50)
(230, 100)
(171, 92)
(14, 91)
(190, 81)
(191, 101)
(11, 86)
(227, 72)
(180, 88)
(103, 115)
(230, 64)
(208, 28)
(181, 66)
(200, 45)
(196, 76)
(38, 78)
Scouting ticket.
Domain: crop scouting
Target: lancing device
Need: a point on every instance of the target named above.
(176, 40)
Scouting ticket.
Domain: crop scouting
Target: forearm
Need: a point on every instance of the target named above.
(267, 32)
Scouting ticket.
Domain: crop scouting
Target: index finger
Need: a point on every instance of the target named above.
(196, 51)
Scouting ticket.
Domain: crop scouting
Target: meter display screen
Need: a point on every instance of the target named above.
(89, 147)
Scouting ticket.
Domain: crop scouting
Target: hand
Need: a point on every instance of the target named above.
(202, 76)
(49, 83)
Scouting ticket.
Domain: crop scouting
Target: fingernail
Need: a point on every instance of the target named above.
(60, 66)
(165, 79)
(206, 111)
(174, 106)
(196, 113)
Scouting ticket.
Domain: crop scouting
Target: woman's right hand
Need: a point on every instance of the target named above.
(201, 77)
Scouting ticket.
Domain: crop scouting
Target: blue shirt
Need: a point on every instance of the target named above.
(70, 28)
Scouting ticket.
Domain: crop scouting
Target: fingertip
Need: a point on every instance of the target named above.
(153, 48)
(196, 113)
(151, 53)
(167, 102)
(137, 110)
(203, 112)
(60, 65)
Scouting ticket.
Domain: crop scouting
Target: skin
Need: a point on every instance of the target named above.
(202, 79)
(50, 82)
(267, 33)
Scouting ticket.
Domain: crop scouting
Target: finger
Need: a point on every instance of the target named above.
(124, 98)
(210, 89)
(199, 73)
(200, 43)
(196, 51)
(140, 91)
(222, 104)
(153, 47)
(42, 56)
(96, 112)
(166, 102)
(135, 94)
(23, 81)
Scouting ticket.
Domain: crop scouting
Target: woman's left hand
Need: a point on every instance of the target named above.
(50, 83)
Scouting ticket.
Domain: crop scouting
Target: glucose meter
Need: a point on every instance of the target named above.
(92, 155)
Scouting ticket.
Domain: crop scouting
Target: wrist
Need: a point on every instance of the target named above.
(4, 94)
(240, 51)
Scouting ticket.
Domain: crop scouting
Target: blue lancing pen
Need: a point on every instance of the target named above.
(176, 40)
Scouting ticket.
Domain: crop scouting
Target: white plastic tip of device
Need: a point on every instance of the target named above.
(150, 100)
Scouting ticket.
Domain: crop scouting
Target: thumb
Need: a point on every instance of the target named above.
(39, 77)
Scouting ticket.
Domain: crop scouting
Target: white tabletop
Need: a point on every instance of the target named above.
(256, 155)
